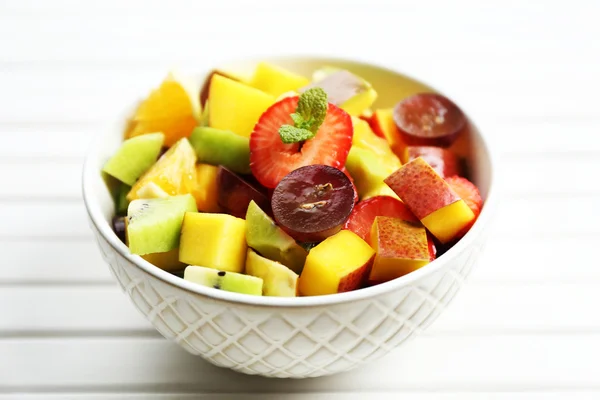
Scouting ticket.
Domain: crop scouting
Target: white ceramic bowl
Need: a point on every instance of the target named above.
(292, 337)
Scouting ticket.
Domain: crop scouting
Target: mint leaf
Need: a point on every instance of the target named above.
(310, 114)
(291, 134)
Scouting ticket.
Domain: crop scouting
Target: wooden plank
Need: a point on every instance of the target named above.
(35, 142)
(479, 308)
(52, 262)
(454, 363)
(562, 175)
(50, 220)
(48, 181)
(561, 259)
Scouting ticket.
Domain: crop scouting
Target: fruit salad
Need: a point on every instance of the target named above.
(279, 184)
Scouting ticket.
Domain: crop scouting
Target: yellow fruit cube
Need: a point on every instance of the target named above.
(275, 80)
(369, 171)
(338, 264)
(235, 106)
(205, 192)
(169, 261)
(450, 221)
(213, 240)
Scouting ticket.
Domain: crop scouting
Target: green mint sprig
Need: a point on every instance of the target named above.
(310, 114)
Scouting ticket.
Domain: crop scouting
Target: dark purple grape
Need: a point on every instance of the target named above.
(234, 193)
(428, 119)
(312, 203)
(118, 225)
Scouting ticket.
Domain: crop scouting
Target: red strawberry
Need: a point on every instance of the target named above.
(467, 191)
(271, 159)
(362, 217)
(345, 171)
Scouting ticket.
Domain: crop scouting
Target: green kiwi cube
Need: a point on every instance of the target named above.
(154, 225)
(221, 147)
(134, 157)
(224, 280)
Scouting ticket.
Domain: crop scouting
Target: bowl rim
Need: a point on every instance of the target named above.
(103, 227)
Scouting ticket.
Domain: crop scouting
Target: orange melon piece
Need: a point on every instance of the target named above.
(173, 109)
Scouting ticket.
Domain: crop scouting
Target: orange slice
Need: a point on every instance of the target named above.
(173, 109)
(173, 174)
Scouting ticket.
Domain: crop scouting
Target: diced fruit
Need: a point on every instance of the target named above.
(431, 199)
(154, 225)
(271, 241)
(206, 191)
(383, 125)
(362, 217)
(428, 119)
(213, 240)
(450, 222)
(121, 201)
(369, 172)
(366, 139)
(224, 280)
(174, 173)
(346, 90)
(271, 159)
(275, 80)
(468, 192)
(235, 193)
(119, 227)
(338, 264)
(173, 109)
(443, 161)
(400, 246)
(235, 106)
(168, 261)
(219, 147)
(278, 280)
(134, 157)
(313, 202)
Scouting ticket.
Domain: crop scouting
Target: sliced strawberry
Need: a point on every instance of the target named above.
(271, 159)
(467, 191)
(345, 171)
(362, 217)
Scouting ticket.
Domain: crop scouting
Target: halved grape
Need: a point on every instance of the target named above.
(428, 119)
(119, 227)
(312, 203)
(234, 193)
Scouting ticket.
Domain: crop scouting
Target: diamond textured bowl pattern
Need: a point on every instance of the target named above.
(290, 342)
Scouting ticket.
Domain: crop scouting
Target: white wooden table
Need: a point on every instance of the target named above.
(528, 72)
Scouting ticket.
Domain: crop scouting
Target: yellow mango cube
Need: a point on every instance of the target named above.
(213, 240)
(235, 106)
(205, 191)
(275, 80)
(338, 264)
(449, 222)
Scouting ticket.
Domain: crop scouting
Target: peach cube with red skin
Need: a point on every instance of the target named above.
(431, 199)
(400, 246)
